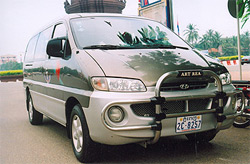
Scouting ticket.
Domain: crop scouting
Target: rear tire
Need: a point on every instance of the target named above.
(35, 117)
(83, 146)
(202, 137)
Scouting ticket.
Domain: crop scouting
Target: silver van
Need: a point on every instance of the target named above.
(115, 79)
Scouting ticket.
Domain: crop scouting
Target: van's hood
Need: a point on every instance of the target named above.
(147, 64)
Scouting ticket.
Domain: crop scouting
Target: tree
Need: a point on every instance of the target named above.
(191, 34)
(245, 43)
(203, 43)
(212, 39)
(229, 46)
(216, 39)
(246, 7)
(11, 66)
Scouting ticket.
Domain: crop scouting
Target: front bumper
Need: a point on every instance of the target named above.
(138, 128)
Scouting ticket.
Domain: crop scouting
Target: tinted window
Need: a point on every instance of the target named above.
(44, 37)
(31, 49)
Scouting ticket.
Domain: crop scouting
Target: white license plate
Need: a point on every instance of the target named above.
(188, 123)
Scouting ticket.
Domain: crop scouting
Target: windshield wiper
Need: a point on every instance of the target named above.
(106, 47)
(167, 46)
(140, 46)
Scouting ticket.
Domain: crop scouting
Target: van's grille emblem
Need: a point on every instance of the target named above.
(184, 86)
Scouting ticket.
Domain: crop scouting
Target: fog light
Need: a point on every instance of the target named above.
(116, 114)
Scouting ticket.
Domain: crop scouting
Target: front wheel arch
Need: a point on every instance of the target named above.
(84, 148)
(70, 103)
(27, 93)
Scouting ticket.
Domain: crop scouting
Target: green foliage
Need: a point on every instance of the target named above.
(214, 54)
(246, 7)
(151, 36)
(245, 44)
(11, 72)
(229, 46)
(148, 36)
(213, 39)
(224, 58)
(191, 34)
(11, 66)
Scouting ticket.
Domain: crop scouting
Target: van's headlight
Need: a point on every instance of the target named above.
(118, 84)
(225, 79)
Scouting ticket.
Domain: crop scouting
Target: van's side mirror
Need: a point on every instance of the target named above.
(55, 47)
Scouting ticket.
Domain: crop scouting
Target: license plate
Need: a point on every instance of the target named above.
(188, 123)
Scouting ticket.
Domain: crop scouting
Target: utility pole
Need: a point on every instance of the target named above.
(238, 38)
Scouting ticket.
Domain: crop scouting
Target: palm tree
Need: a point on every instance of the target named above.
(191, 34)
(204, 44)
(213, 38)
(245, 43)
(229, 46)
(246, 6)
(210, 35)
(216, 39)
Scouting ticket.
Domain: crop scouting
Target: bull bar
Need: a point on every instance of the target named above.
(158, 100)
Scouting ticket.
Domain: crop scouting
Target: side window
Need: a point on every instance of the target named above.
(60, 31)
(29, 56)
(44, 37)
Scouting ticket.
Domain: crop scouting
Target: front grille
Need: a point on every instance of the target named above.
(148, 109)
(177, 86)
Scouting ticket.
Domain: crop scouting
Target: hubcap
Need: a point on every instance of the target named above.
(77, 135)
(30, 109)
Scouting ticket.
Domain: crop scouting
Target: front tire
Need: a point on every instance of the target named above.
(35, 117)
(84, 148)
(241, 122)
(202, 137)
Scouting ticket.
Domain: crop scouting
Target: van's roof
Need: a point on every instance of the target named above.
(79, 15)
(67, 17)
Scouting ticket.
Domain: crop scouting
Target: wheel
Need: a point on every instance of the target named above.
(202, 137)
(239, 101)
(84, 148)
(35, 117)
(240, 121)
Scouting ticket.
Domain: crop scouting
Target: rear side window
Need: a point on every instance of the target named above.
(44, 37)
(31, 49)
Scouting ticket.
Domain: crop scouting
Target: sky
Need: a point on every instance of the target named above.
(21, 19)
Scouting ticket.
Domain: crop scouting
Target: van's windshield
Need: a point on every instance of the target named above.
(123, 33)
